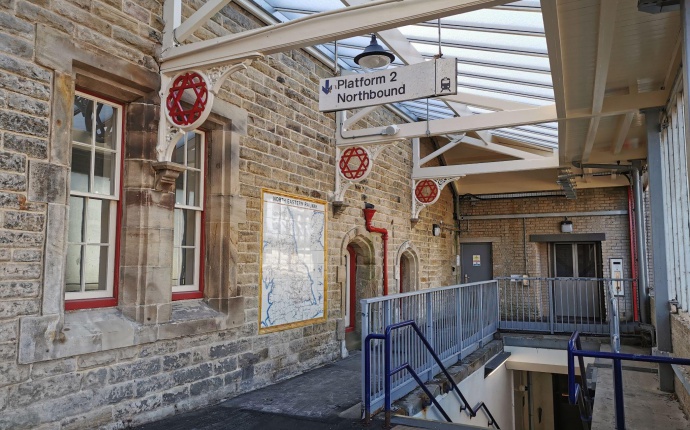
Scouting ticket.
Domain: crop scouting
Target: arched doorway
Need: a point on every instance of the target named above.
(359, 282)
(408, 269)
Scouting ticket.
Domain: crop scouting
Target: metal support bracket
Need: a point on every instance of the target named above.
(364, 161)
(212, 81)
(426, 192)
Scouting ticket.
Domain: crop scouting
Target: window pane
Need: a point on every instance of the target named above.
(73, 269)
(179, 189)
(106, 126)
(82, 121)
(193, 150)
(177, 263)
(586, 260)
(187, 266)
(193, 188)
(564, 260)
(80, 170)
(104, 173)
(189, 226)
(178, 152)
(95, 268)
(76, 219)
(98, 221)
(178, 228)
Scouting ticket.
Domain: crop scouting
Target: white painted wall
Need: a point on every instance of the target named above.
(496, 391)
(540, 360)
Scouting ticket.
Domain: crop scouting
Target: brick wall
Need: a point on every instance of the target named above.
(511, 238)
(285, 145)
(514, 254)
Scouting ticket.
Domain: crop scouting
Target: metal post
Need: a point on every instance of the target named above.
(618, 393)
(366, 360)
(430, 335)
(387, 371)
(550, 288)
(661, 287)
(641, 239)
(481, 314)
(458, 312)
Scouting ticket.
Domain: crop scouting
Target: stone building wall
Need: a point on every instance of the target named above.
(150, 357)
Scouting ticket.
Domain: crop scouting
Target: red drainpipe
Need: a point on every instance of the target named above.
(633, 253)
(368, 216)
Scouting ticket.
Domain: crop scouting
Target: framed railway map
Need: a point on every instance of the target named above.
(292, 267)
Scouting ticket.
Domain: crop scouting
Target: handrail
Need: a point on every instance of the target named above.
(575, 390)
(425, 291)
(406, 366)
(456, 321)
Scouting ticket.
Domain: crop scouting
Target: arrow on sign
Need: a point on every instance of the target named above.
(327, 88)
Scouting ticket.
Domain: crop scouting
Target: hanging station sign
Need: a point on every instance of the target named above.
(428, 79)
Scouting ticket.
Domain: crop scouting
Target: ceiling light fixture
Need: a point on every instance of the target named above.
(374, 57)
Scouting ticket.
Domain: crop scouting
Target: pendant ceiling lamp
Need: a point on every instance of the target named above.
(374, 56)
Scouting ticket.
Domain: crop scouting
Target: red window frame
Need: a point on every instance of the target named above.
(106, 302)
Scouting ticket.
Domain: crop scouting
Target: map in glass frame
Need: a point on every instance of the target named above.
(293, 262)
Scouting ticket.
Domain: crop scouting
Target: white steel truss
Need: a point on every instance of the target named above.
(473, 110)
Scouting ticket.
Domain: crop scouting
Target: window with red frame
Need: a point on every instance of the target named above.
(187, 270)
(94, 203)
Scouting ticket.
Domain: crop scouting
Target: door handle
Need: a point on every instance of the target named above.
(467, 278)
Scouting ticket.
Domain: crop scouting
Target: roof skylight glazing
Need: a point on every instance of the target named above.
(501, 54)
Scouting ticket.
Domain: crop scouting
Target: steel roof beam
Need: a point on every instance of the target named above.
(534, 163)
(501, 91)
(613, 105)
(486, 48)
(623, 128)
(506, 80)
(454, 125)
(198, 19)
(607, 25)
(549, 11)
(501, 149)
(497, 29)
(313, 30)
(486, 102)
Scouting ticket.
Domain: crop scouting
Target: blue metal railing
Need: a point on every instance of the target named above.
(576, 393)
(389, 373)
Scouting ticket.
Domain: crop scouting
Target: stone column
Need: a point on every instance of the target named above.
(145, 286)
(224, 210)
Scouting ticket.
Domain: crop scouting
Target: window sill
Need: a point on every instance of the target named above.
(95, 330)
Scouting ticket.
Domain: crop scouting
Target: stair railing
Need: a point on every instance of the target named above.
(388, 374)
(576, 391)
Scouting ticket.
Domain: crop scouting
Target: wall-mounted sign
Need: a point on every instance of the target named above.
(476, 260)
(422, 80)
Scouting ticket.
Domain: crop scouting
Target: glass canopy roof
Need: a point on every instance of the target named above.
(501, 53)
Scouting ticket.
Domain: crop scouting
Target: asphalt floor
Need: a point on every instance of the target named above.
(326, 398)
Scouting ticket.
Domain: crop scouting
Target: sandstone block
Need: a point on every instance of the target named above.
(33, 147)
(47, 182)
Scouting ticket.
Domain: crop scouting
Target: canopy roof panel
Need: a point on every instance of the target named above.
(501, 53)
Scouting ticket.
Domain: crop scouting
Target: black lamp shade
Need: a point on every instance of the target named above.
(374, 56)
